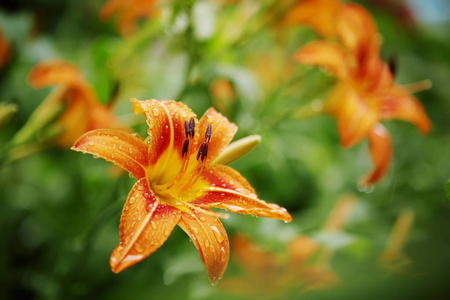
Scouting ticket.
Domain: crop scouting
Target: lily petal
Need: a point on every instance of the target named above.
(60, 73)
(144, 226)
(330, 56)
(222, 132)
(399, 104)
(380, 152)
(225, 188)
(74, 122)
(167, 134)
(358, 32)
(320, 15)
(210, 239)
(118, 147)
(129, 12)
(353, 114)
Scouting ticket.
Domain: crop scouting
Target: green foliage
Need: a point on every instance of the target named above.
(60, 210)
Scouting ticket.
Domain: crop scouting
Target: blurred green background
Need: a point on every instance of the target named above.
(60, 210)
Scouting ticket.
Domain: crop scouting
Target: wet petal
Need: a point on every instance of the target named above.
(380, 152)
(222, 132)
(320, 15)
(399, 104)
(121, 148)
(223, 187)
(333, 57)
(167, 134)
(210, 239)
(144, 226)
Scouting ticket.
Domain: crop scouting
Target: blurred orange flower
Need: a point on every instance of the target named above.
(129, 12)
(83, 112)
(177, 183)
(4, 50)
(266, 277)
(393, 257)
(365, 92)
(223, 94)
(317, 14)
(306, 267)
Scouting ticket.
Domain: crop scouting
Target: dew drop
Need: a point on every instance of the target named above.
(130, 175)
(214, 281)
(218, 234)
(138, 247)
(130, 150)
(115, 137)
(95, 155)
(83, 150)
(132, 200)
(153, 225)
(91, 143)
(207, 243)
(155, 112)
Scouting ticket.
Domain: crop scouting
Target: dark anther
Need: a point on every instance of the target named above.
(185, 147)
(186, 128)
(202, 151)
(192, 127)
(189, 128)
(205, 152)
(208, 133)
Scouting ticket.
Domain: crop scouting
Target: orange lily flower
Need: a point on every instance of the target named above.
(365, 92)
(129, 12)
(317, 14)
(177, 183)
(83, 111)
(4, 50)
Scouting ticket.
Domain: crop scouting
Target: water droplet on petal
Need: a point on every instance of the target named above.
(95, 155)
(91, 143)
(132, 200)
(83, 150)
(138, 247)
(218, 234)
(155, 111)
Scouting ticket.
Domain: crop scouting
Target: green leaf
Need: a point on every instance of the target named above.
(447, 189)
